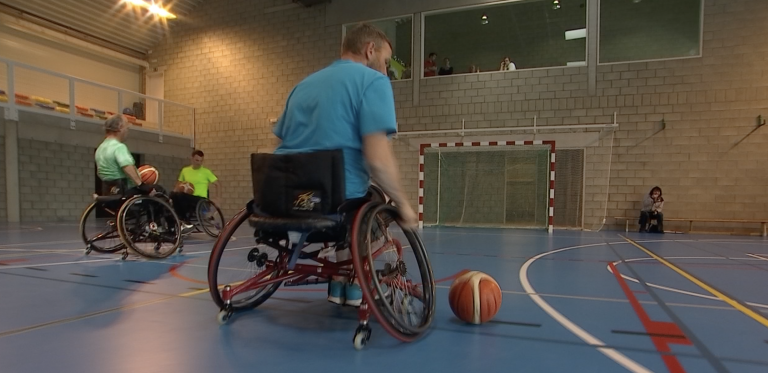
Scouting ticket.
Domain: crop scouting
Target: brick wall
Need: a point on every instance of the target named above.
(56, 180)
(237, 61)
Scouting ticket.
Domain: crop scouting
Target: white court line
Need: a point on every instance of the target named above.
(679, 291)
(758, 257)
(56, 264)
(617, 356)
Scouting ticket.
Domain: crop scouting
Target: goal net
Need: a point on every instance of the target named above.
(522, 184)
(488, 184)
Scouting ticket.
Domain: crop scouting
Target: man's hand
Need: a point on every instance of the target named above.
(381, 160)
(410, 220)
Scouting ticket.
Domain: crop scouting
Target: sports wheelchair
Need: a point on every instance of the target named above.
(299, 202)
(207, 218)
(120, 221)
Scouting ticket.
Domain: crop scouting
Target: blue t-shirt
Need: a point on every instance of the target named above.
(333, 109)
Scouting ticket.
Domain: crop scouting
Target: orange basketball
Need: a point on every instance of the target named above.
(148, 174)
(475, 297)
(186, 187)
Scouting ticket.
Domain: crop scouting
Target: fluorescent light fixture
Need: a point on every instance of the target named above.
(576, 63)
(576, 34)
(153, 8)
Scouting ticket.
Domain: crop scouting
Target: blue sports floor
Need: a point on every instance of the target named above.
(573, 302)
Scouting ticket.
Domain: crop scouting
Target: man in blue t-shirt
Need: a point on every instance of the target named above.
(350, 105)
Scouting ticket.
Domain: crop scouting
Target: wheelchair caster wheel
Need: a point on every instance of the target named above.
(124, 257)
(362, 335)
(224, 316)
(88, 249)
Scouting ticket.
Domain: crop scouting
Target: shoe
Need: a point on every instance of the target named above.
(353, 294)
(336, 292)
(187, 228)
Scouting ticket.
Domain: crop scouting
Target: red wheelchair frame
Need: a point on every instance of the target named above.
(287, 271)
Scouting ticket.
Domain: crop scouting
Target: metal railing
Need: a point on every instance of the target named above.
(32, 89)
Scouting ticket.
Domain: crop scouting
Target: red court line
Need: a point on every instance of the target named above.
(11, 261)
(656, 328)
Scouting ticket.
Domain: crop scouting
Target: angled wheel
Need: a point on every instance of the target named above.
(149, 226)
(100, 234)
(394, 272)
(229, 267)
(209, 218)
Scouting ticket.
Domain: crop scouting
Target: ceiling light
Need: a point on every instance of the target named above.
(484, 20)
(153, 8)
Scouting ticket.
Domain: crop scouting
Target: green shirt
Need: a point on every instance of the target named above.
(111, 156)
(199, 178)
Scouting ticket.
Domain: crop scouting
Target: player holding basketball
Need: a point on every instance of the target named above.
(201, 178)
(116, 167)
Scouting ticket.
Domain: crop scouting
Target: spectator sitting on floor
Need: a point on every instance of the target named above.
(652, 205)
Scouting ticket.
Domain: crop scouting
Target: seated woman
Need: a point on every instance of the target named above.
(652, 204)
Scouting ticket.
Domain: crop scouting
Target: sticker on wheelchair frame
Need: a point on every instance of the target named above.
(306, 201)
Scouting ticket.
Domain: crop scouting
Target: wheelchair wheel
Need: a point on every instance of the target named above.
(232, 266)
(99, 233)
(397, 280)
(209, 218)
(149, 226)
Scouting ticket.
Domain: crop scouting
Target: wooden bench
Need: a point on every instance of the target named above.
(763, 223)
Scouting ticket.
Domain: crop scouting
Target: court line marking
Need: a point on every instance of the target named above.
(758, 256)
(57, 264)
(97, 313)
(735, 304)
(680, 291)
(611, 353)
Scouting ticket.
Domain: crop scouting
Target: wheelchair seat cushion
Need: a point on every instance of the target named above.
(274, 224)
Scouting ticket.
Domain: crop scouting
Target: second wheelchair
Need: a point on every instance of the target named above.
(145, 224)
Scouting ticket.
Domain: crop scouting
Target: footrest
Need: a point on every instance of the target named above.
(288, 224)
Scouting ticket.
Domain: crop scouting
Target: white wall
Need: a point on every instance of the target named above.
(46, 54)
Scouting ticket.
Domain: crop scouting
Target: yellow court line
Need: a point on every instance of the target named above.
(735, 304)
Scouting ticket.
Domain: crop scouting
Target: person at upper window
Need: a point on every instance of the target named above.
(652, 205)
(507, 65)
(446, 69)
(350, 105)
(430, 67)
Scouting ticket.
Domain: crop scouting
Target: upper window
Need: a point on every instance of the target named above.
(399, 30)
(507, 36)
(638, 30)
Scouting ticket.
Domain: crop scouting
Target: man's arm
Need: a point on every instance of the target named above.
(132, 173)
(381, 159)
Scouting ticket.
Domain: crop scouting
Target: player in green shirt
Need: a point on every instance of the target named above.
(116, 167)
(201, 178)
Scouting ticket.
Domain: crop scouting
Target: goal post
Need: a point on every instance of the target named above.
(487, 184)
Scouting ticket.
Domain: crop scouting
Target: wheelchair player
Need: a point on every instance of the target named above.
(350, 106)
(116, 167)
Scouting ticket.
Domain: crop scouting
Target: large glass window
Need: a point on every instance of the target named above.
(637, 30)
(399, 30)
(507, 36)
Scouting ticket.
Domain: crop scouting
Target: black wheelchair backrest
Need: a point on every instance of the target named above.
(298, 185)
